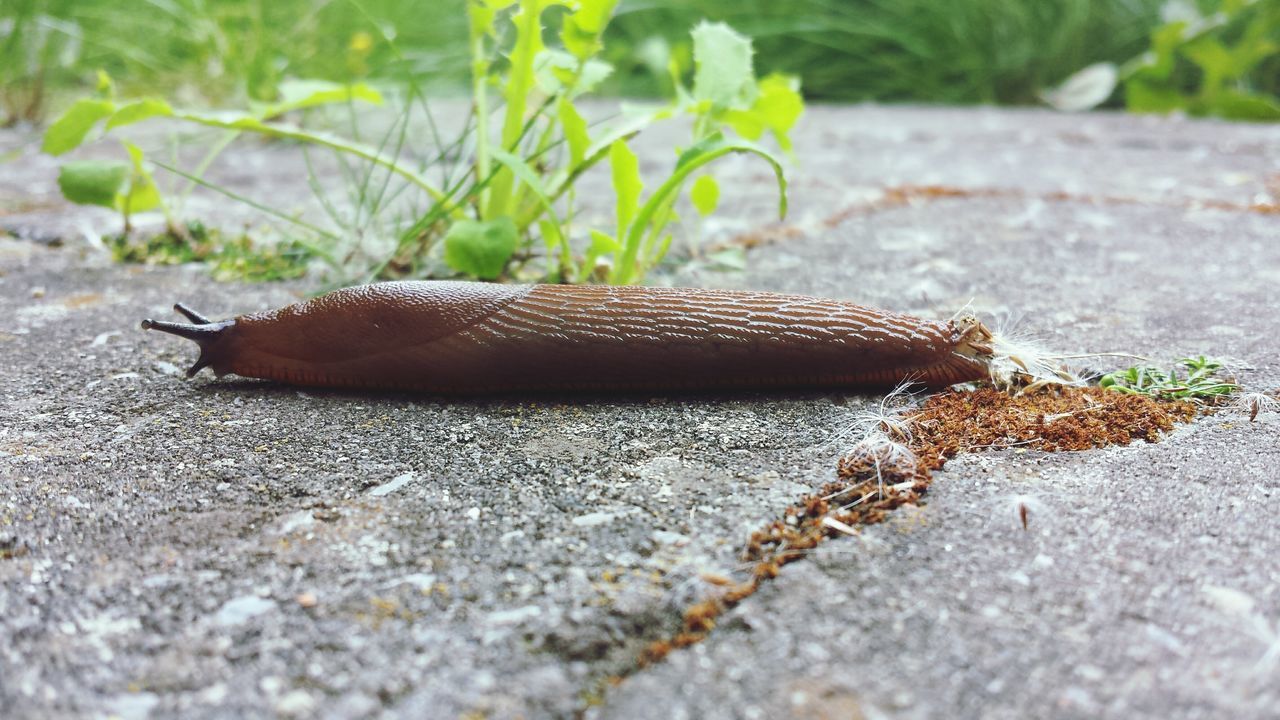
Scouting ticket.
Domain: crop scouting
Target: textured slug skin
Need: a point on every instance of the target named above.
(469, 338)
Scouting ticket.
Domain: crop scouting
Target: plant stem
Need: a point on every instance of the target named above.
(519, 84)
(479, 77)
(227, 138)
(625, 271)
(324, 140)
(310, 247)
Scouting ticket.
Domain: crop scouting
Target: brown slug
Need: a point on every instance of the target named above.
(474, 338)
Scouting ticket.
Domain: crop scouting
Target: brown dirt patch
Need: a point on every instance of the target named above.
(914, 194)
(877, 478)
(1052, 420)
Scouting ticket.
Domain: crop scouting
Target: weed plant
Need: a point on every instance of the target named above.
(505, 205)
(1213, 57)
(1199, 381)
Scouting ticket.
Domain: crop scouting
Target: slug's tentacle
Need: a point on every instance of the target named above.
(474, 338)
(206, 333)
(191, 315)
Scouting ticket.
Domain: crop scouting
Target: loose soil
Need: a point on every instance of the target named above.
(874, 480)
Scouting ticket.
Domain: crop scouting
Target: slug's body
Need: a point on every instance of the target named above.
(474, 338)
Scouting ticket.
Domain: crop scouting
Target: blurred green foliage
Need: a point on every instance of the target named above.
(221, 52)
(229, 51)
(959, 51)
(1212, 57)
(529, 145)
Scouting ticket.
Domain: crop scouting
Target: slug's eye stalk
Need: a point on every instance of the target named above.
(202, 331)
(191, 315)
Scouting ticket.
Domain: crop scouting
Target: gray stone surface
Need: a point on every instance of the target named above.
(231, 548)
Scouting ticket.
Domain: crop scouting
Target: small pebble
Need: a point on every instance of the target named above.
(297, 703)
(241, 609)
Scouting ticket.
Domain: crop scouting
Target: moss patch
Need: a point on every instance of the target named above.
(229, 258)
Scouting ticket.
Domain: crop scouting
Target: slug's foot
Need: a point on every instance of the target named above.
(202, 331)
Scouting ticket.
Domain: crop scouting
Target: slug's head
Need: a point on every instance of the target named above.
(209, 335)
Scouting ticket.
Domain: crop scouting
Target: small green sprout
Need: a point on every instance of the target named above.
(1200, 382)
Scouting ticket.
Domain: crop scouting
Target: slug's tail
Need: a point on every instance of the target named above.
(204, 332)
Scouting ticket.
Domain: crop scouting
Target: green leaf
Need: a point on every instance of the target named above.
(627, 184)
(723, 74)
(106, 88)
(1199, 384)
(67, 132)
(575, 132)
(780, 102)
(1253, 46)
(1203, 44)
(717, 146)
(777, 108)
(530, 178)
(732, 258)
(654, 54)
(551, 236)
(1213, 59)
(581, 30)
(93, 182)
(483, 15)
(138, 111)
(518, 91)
(556, 70)
(1158, 62)
(602, 245)
(143, 193)
(479, 248)
(301, 94)
(524, 173)
(633, 121)
(708, 150)
(1147, 97)
(705, 194)
(1239, 105)
(554, 239)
